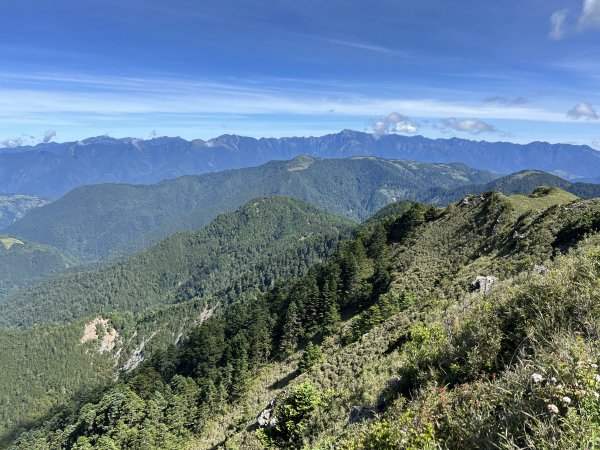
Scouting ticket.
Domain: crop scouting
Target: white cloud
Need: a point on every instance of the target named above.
(583, 110)
(564, 22)
(365, 46)
(590, 16)
(406, 127)
(11, 142)
(473, 126)
(48, 136)
(395, 123)
(557, 24)
(70, 100)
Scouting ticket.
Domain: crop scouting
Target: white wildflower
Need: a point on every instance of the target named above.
(552, 409)
(537, 378)
(566, 400)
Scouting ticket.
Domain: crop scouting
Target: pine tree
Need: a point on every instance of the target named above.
(312, 355)
(292, 330)
(332, 319)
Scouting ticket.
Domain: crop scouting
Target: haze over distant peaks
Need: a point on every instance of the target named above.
(52, 169)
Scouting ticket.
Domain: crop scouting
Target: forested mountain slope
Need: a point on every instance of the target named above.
(113, 317)
(23, 262)
(14, 206)
(251, 247)
(392, 343)
(93, 221)
(52, 169)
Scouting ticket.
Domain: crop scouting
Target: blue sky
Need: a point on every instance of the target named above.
(482, 69)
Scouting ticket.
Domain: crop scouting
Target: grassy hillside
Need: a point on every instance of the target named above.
(92, 222)
(23, 262)
(14, 206)
(524, 182)
(387, 345)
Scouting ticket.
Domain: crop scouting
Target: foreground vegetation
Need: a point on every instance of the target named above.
(387, 345)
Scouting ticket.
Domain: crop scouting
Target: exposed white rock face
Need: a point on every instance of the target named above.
(108, 338)
(483, 284)
(267, 416)
(137, 356)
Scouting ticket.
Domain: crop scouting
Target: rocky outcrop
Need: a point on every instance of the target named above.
(137, 356)
(100, 330)
(267, 416)
(483, 284)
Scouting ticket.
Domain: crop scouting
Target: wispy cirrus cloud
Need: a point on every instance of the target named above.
(365, 46)
(34, 94)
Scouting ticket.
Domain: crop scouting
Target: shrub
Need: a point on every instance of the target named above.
(293, 417)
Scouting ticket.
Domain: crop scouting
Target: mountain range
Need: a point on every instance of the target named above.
(50, 170)
(109, 221)
(93, 222)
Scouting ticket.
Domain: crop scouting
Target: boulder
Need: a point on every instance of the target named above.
(267, 416)
(483, 284)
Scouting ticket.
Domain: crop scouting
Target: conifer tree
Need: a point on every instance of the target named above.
(292, 330)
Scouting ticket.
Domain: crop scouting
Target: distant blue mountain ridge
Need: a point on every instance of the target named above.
(52, 169)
